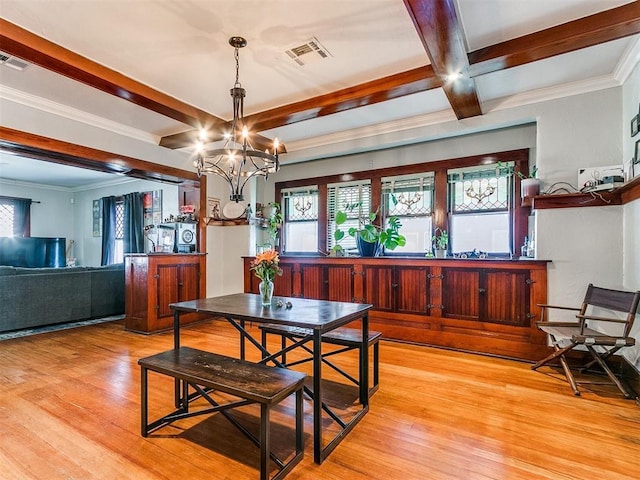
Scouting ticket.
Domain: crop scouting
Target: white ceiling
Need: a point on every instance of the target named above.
(181, 48)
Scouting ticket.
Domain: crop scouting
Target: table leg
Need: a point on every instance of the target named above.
(364, 362)
(176, 346)
(317, 397)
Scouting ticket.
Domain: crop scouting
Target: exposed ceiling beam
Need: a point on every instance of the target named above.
(387, 88)
(439, 30)
(30, 145)
(602, 27)
(393, 86)
(17, 41)
(585, 32)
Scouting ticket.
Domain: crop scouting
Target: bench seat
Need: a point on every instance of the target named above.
(206, 372)
(350, 338)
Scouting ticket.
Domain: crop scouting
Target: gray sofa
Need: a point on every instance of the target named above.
(33, 297)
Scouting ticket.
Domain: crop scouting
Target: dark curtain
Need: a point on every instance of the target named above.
(108, 230)
(22, 217)
(133, 223)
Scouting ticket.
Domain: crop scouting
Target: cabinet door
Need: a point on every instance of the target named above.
(507, 297)
(167, 288)
(339, 283)
(313, 281)
(283, 284)
(460, 293)
(189, 282)
(378, 288)
(412, 287)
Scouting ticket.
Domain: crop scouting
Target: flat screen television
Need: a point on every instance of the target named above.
(33, 252)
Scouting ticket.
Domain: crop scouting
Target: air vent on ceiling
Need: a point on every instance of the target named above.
(309, 51)
(13, 62)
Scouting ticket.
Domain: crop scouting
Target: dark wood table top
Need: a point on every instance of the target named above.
(315, 314)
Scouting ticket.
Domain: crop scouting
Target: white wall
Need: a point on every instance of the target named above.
(53, 216)
(631, 211)
(584, 245)
(585, 130)
(88, 248)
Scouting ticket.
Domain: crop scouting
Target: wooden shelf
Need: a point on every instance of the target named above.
(210, 222)
(627, 193)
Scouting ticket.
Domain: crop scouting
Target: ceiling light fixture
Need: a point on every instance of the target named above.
(237, 161)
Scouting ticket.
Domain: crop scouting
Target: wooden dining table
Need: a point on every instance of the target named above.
(320, 316)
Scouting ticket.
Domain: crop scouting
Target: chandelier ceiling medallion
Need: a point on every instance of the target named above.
(237, 161)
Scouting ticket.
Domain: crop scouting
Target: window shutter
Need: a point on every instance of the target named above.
(353, 198)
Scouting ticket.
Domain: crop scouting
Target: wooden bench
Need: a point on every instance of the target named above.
(349, 338)
(206, 372)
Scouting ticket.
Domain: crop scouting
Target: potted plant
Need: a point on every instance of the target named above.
(440, 243)
(274, 221)
(369, 236)
(529, 184)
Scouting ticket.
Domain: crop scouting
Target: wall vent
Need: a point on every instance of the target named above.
(309, 51)
(13, 62)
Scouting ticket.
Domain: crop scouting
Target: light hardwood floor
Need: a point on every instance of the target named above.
(70, 409)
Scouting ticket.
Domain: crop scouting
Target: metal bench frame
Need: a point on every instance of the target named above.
(348, 338)
(193, 370)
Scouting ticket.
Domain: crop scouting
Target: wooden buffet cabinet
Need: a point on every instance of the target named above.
(487, 306)
(153, 281)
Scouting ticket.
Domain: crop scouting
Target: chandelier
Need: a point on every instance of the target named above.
(237, 161)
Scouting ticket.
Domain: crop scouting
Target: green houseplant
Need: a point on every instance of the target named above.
(369, 236)
(529, 184)
(440, 243)
(274, 221)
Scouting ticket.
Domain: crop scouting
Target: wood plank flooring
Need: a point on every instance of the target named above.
(70, 409)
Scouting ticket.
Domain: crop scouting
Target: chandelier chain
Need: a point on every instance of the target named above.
(237, 57)
(237, 161)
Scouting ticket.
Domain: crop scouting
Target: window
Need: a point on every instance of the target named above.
(119, 251)
(353, 198)
(7, 213)
(300, 210)
(15, 216)
(473, 198)
(410, 198)
(480, 202)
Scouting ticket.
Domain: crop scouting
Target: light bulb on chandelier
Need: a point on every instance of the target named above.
(237, 161)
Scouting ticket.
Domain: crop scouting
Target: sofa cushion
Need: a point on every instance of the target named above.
(107, 290)
(47, 270)
(5, 270)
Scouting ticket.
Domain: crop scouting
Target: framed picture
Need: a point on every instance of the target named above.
(97, 218)
(634, 125)
(636, 159)
(213, 208)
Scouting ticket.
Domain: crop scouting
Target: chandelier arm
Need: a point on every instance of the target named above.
(235, 152)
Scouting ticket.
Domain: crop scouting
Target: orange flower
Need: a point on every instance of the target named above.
(269, 256)
(265, 265)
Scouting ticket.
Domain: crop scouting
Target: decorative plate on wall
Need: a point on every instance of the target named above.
(234, 210)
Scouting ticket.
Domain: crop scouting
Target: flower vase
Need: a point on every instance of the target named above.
(266, 292)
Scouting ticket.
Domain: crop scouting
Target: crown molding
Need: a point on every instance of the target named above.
(75, 114)
(108, 183)
(18, 183)
(504, 103)
(628, 62)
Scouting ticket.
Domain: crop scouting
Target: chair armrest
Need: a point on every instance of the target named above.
(542, 305)
(558, 324)
(600, 319)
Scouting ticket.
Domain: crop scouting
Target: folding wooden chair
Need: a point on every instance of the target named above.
(565, 336)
